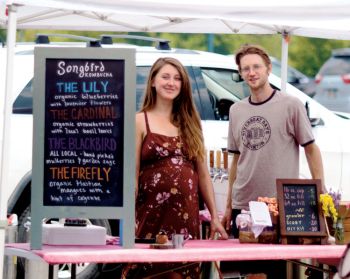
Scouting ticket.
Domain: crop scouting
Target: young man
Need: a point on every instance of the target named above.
(265, 131)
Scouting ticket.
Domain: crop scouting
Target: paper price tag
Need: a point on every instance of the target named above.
(260, 213)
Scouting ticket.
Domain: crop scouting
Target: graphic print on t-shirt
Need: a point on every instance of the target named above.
(256, 132)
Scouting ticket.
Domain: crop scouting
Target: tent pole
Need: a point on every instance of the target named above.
(284, 60)
(11, 40)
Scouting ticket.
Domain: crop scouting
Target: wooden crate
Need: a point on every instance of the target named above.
(347, 237)
(343, 212)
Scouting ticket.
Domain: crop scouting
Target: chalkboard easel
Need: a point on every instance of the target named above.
(83, 148)
(301, 218)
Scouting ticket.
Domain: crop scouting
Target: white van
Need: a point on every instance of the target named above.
(216, 84)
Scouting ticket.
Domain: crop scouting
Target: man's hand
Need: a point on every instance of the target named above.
(226, 220)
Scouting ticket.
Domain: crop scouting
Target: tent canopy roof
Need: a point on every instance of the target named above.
(322, 18)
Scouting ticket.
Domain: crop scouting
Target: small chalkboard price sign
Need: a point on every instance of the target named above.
(301, 218)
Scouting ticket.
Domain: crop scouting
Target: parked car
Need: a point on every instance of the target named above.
(333, 81)
(216, 84)
(301, 81)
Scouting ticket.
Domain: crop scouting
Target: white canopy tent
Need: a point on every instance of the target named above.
(322, 18)
(312, 18)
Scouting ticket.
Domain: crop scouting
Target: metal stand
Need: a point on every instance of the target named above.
(10, 262)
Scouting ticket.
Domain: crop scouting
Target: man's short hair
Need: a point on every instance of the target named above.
(251, 49)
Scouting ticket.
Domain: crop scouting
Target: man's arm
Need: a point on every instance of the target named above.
(314, 160)
(226, 220)
(207, 191)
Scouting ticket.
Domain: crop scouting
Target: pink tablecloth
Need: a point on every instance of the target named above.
(194, 250)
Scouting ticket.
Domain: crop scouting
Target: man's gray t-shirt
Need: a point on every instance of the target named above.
(267, 136)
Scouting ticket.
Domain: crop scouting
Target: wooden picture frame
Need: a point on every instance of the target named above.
(300, 212)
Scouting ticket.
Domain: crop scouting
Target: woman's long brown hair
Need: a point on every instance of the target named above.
(184, 114)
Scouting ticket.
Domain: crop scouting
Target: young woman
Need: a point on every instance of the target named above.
(170, 166)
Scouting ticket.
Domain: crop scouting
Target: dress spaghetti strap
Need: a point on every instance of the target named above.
(147, 125)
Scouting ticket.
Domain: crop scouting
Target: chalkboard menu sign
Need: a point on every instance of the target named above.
(84, 108)
(83, 137)
(300, 211)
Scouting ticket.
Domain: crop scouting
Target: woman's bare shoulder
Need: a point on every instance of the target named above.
(139, 115)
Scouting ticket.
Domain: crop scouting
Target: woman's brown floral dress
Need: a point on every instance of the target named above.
(167, 198)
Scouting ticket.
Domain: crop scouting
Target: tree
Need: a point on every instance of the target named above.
(2, 35)
(308, 54)
(305, 54)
